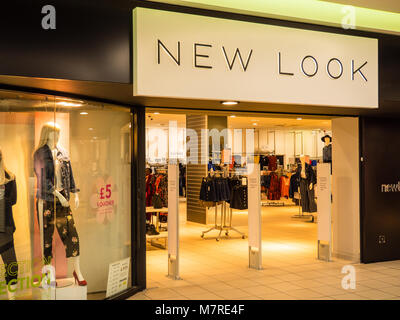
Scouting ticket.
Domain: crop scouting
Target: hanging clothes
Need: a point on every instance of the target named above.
(222, 189)
(233, 182)
(274, 192)
(207, 190)
(294, 185)
(239, 198)
(214, 190)
(182, 180)
(161, 189)
(156, 184)
(150, 180)
(285, 185)
(272, 163)
(265, 181)
(263, 162)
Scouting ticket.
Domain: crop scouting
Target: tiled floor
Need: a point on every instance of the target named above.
(219, 270)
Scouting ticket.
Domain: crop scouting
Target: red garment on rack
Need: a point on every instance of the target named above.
(285, 185)
(272, 163)
(149, 189)
(274, 191)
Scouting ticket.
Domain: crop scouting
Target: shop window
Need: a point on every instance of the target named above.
(65, 198)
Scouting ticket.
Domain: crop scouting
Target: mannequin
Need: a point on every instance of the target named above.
(307, 182)
(8, 198)
(55, 184)
(327, 150)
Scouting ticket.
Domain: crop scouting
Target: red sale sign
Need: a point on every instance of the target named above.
(104, 200)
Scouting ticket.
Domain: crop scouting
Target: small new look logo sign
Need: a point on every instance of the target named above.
(390, 187)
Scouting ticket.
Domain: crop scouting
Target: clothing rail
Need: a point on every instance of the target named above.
(226, 223)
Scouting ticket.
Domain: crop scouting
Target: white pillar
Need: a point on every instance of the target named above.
(254, 216)
(346, 189)
(173, 222)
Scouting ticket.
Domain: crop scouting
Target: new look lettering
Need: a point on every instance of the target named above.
(308, 65)
(188, 56)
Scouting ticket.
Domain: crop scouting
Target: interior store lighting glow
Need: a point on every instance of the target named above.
(69, 104)
(229, 103)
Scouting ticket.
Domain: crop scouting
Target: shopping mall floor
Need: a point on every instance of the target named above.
(212, 270)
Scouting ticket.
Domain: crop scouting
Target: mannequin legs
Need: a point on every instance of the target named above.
(77, 268)
(10, 259)
(59, 217)
(12, 292)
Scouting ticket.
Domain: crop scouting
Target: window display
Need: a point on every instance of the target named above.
(69, 161)
(55, 183)
(8, 198)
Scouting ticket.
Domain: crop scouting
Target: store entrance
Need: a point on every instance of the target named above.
(213, 152)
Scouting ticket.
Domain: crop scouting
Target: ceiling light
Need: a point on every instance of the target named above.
(90, 129)
(233, 116)
(83, 113)
(69, 104)
(299, 118)
(254, 124)
(229, 103)
(156, 113)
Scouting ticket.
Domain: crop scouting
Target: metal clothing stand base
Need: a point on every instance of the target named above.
(301, 215)
(226, 223)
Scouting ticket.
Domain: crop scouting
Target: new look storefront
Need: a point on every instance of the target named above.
(252, 67)
(83, 100)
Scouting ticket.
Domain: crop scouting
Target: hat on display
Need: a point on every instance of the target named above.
(326, 136)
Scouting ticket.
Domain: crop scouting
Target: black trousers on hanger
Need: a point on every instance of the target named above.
(307, 197)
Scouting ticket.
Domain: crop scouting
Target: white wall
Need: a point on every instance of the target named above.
(291, 143)
(345, 189)
(159, 143)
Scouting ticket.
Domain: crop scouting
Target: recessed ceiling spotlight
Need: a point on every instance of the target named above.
(229, 103)
(233, 116)
(156, 113)
(83, 113)
(90, 129)
(254, 124)
(299, 118)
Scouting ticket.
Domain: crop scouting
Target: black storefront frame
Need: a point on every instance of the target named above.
(138, 222)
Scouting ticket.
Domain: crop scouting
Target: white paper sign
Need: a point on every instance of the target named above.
(187, 56)
(118, 275)
(324, 204)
